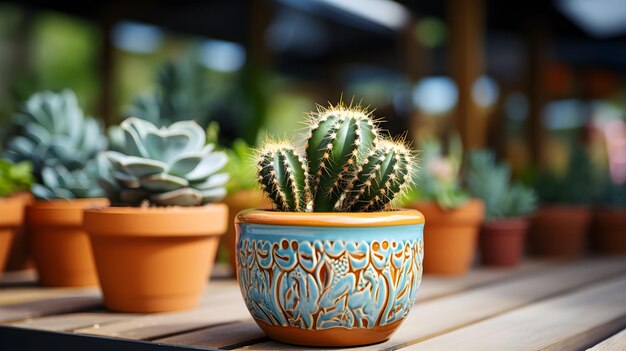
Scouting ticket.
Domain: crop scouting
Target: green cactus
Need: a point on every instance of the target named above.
(55, 132)
(283, 175)
(348, 166)
(168, 166)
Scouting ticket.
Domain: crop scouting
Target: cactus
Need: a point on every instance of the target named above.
(168, 166)
(349, 167)
(55, 132)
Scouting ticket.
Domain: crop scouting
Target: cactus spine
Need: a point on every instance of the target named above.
(348, 166)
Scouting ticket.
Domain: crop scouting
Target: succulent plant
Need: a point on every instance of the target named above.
(491, 182)
(440, 180)
(346, 166)
(167, 166)
(14, 177)
(55, 132)
(60, 183)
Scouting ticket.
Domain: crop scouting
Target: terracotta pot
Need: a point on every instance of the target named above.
(450, 236)
(559, 231)
(154, 259)
(12, 214)
(20, 257)
(329, 279)
(237, 202)
(59, 243)
(608, 230)
(502, 241)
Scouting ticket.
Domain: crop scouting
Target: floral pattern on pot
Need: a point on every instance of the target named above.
(318, 278)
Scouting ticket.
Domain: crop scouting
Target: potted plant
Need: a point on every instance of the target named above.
(334, 264)
(14, 178)
(608, 228)
(503, 234)
(560, 225)
(242, 191)
(62, 145)
(454, 218)
(154, 247)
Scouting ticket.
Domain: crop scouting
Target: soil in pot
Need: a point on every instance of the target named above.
(12, 210)
(608, 230)
(236, 203)
(20, 257)
(329, 279)
(59, 243)
(154, 259)
(502, 241)
(559, 231)
(450, 237)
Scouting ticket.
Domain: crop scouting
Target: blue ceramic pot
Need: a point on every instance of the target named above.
(329, 279)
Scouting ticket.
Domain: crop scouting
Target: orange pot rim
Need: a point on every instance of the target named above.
(331, 219)
(13, 205)
(174, 221)
(60, 212)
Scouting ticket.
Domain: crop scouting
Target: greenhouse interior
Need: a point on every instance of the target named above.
(313, 174)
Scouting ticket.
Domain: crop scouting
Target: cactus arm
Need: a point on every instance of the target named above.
(282, 174)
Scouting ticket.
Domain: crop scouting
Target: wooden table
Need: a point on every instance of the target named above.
(542, 305)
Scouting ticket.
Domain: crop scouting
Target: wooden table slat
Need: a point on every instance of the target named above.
(223, 336)
(616, 342)
(566, 322)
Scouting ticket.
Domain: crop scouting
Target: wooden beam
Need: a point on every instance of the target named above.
(466, 58)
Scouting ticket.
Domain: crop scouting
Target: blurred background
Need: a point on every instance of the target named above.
(527, 79)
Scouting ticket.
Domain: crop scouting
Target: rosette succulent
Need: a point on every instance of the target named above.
(167, 166)
(61, 143)
(346, 166)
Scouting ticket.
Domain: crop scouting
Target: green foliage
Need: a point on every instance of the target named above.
(348, 166)
(491, 182)
(612, 194)
(60, 142)
(14, 177)
(440, 181)
(241, 166)
(168, 166)
(575, 186)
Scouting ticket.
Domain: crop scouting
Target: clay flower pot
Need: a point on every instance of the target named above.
(559, 231)
(20, 257)
(329, 279)
(502, 241)
(237, 202)
(450, 237)
(59, 243)
(12, 214)
(608, 230)
(154, 259)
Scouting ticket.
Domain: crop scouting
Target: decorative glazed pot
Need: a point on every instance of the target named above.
(20, 257)
(237, 202)
(502, 241)
(608, 230)
(59, 243)
(329, 279)
(11, 218)
(154, 259)
(451, 236)
(559, 231)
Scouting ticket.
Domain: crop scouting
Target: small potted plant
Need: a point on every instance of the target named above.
(559, 227)
(503, 235)
(334, 264)
(14, 178)
(454, 218)
(62, 145)
(154, 247)
(608, 228)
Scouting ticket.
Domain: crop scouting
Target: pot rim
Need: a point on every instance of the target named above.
(331, 219)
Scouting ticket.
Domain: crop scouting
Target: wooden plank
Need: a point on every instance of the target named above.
(566, 322)
(18, 278)
(72, 302)
(223, 336)
(432, 287)
(219, 307)
(71, 321)
(615, 343)
(440, 316)
(20, 295)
